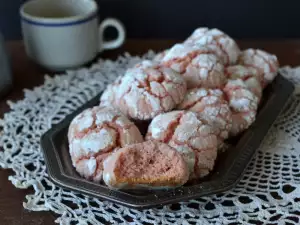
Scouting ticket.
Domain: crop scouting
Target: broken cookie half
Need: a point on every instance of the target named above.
(151, 164)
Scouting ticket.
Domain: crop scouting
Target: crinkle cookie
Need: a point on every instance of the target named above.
(251, 76)
(94, 134)
(190, 136)
(198, 65)
(212, 107)
(151, 165)
(243, 104)
(145, 91)
(217, 41)
(261, 60)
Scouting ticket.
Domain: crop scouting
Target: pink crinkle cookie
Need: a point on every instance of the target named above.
(190, 136)
(145, 91)
(243, 104)
(198, 65)
(212, 107)
(219, 42)
(252, 77)
(261, 60)
(150, 164)
(94, 134)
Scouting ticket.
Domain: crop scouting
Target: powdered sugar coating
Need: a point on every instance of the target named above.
(145, 64)
(94, 134)
(198, 66)
(251, 76)
(159, 56)
(261, 60)
(205, 71)
(217, 41)
(241, 121)
(211, 107)
(197, 34)
(146, 90)
(108, 97)
(243, 104)
(240, 98)
(190, 136)
(184, 54)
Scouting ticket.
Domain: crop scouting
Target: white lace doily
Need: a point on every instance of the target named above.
(268, 193)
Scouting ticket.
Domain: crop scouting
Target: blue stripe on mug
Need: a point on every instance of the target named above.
(60, 24)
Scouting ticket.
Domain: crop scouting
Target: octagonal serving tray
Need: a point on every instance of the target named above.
(229, 168)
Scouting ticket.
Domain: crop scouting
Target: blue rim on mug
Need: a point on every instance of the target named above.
(60, 24)
(57, 22)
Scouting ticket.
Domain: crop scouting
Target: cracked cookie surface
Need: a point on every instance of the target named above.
(190, 136)
(94, 134)
(265, 62)
(197, 64)
(217, 41)
(243, 104)
(212, 107)
(145, 91)
(252, 77)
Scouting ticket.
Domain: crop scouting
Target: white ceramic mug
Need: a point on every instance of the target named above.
(65, 34)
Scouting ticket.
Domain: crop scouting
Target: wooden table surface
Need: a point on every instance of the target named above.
(27, 75)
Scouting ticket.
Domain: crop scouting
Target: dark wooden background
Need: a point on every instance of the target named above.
(177, 18)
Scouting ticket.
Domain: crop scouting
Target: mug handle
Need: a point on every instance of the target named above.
(110, 22)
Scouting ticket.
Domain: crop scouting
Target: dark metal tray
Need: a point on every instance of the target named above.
(228, 170)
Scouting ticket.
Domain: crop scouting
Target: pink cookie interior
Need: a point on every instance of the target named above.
(152, 163)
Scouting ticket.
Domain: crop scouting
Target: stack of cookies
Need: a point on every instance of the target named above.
(194, 96)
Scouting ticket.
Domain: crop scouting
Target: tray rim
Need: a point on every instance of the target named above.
(228, 181)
